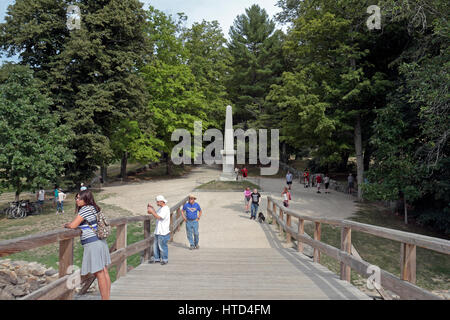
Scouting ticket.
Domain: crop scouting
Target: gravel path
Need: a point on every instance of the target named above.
(225, 223)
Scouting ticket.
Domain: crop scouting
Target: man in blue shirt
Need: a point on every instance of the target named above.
(191, 214)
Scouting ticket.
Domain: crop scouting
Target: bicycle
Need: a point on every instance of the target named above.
(16, 210)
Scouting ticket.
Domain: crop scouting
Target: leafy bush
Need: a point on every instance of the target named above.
(436, 220)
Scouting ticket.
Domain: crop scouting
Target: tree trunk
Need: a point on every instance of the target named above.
(359, 155)
(168, 166)
(283, 152)
(367, 155)
(123, 165)
(342, 167)
(406, 209)
(104, 173)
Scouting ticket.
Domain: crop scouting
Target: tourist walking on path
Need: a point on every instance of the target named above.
(326, 180)
(162, 231)
(318, 182)
(286, 197)
(247, 198)
(96, 255)
(60, 203)
(256, 198)
(351, 182)
(289, 177)
(191, 214)
(83, 187)
(306, 178)
(244, 172)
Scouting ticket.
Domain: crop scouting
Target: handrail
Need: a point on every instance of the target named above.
(120, 251)
(405, 287)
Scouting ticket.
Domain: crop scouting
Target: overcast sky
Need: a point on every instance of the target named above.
(196, 10)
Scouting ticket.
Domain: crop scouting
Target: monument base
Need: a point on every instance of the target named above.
(227, 176)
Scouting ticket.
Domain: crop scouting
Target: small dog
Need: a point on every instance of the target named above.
(261, 217)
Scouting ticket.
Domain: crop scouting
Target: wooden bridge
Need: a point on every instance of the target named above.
(229, 272)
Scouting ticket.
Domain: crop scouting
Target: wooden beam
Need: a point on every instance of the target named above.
(66, 264)
(148, 251)
(408, 262)
(51, 291)
(301, 231)
(317, 236)
(16, 245)
(288, 225)
(346, 246)
(435, 244)
(121, 237)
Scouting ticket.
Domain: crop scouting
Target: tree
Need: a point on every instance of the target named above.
(176, 100)
(210, 62)
(97, 83)
(330, 43)
(130, 142)
(33, 143)
(255, 46)
(91, 72)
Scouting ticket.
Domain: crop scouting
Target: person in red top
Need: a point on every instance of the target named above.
(319, 181)
(244, 172)
(306, 177)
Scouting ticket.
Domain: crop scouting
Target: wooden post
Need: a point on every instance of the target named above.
(301, 231)
(288, 225)
(66, 261)
(121, 239)
(317, 233)
(408, 262)
(346, 245)
(147, 252)
(171, 227)
(178, 217)
(281, 220)
(274, 213)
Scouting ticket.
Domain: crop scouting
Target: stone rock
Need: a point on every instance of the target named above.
(39, 271)
(5, 295)
(9, 276)
(3, 283)
(16, 291)
(50, 272)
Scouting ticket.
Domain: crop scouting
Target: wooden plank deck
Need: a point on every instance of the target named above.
(238, 274)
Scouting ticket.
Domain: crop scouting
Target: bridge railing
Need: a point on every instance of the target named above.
(120, 251)
(404, 286)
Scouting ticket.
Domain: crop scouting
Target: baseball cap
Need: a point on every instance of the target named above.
(161, 198)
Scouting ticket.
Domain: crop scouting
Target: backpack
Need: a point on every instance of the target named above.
(103, 226)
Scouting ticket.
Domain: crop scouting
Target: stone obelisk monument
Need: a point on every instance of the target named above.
(228, 153)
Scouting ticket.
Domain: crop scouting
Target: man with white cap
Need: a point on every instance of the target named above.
(191, 214)
(162, 231)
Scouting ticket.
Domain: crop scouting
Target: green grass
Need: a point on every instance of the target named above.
(433, 269)
(48, 255)
(215, 185)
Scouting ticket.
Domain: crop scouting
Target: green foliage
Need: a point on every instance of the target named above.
(33, 143)
(140, 146)
(176, 100)
(209, 61)
(257, 63)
